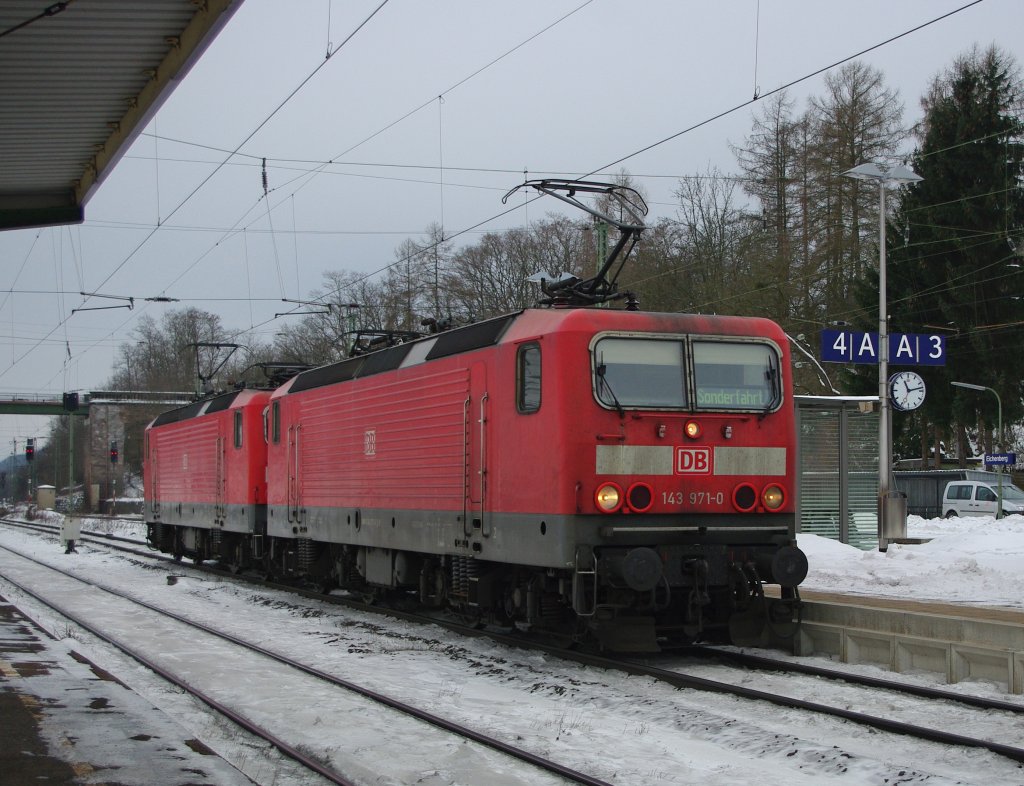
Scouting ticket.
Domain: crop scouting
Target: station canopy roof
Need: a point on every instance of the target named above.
(79, 80)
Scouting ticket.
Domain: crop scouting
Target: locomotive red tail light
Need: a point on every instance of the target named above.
(692, 429)
(640, 497)
(773, 497)
(608, 497)
(744, 497)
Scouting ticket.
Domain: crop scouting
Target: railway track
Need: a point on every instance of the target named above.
(791, 689)
(266, 664)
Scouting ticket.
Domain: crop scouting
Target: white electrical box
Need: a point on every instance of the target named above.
(70, 529)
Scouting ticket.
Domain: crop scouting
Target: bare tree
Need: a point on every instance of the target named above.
(772, 160)
(858, 120)
(163, 355)
(491, 277)
(711, 229)
(415, 280)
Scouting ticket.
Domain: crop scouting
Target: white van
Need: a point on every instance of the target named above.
(977, 498)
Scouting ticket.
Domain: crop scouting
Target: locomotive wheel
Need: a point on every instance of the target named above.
(470, 617)
(575, 633)
(747, 626)
(785, 614)
(433, 588)
(321, 585)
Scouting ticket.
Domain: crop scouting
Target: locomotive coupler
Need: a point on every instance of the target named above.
(744, 583)
(697, 571)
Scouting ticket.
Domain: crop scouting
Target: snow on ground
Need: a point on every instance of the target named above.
(966, 560)
(637, 731)
(975, 560)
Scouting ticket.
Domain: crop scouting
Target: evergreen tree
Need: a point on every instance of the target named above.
(954, 244)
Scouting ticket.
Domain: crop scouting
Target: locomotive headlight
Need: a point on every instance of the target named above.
(608, 497)
(773, 497)
(692, 429)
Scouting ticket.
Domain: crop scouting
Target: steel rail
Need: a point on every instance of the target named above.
(250, 726)
(408, 709)
(679, 680)
(765, 663)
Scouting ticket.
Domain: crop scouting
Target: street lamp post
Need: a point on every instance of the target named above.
(884, 175)
(999, 430)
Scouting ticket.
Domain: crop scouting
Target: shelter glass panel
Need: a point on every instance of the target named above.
(819, 473)
(838, 469)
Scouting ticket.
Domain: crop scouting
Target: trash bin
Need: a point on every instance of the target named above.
(894, 519)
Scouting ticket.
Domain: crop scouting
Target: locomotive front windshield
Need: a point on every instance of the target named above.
(639, 372)
(657, 373)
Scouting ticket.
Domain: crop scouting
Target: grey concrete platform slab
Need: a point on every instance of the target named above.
(956, 642)
(67, 721)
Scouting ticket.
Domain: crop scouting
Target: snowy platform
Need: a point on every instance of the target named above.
(68, 721)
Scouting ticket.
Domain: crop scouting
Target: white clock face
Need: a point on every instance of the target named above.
(906, 389)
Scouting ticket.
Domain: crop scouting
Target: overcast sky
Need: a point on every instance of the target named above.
(432, 111)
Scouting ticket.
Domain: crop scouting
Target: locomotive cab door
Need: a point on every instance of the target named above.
(153, 468)
(220, 481)
(476, 518)
(294, 480)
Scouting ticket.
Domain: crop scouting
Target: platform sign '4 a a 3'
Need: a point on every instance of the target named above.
(905, 349)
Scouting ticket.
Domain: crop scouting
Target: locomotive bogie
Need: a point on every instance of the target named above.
(389, 567)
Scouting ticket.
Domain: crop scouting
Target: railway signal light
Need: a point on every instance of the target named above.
(30, 450)
(70, 402)
(113, 451)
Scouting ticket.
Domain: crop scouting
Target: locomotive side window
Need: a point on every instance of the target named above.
(639, 372)
(741, 376)
(275, 422)
(238, 429)
(528, 378)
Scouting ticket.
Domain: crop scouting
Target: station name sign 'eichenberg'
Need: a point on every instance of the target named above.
(905, 349)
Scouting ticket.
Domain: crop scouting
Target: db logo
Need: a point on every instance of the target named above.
(370, 442)
(693, 461)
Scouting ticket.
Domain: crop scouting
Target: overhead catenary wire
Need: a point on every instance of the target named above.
(50, 10)
(448, 90)
(238, 147)
(725, 113)
(757, 44)
(253, 133)
(207, 179)
(780, 88)
(482, 223)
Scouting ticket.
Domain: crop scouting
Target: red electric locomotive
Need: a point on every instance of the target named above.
(600, 472)
(633, 471)
(204, 478)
